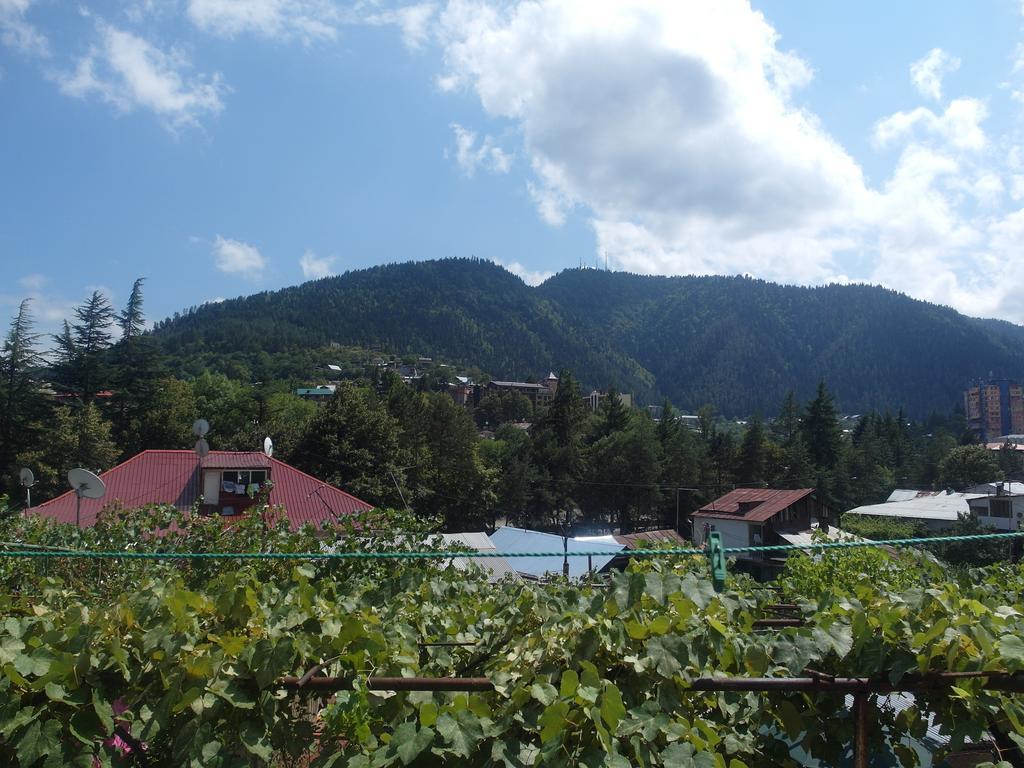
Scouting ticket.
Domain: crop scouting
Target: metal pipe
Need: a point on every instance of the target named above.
(996, 681)
(779, 623)
(861, 723)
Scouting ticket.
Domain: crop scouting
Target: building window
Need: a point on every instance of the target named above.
(241, 482)
(999, 507)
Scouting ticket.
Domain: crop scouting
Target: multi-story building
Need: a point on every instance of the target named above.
(994, 408)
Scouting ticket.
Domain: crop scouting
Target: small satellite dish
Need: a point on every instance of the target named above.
(86, 486)
(202, 448)
(26, 477)
(268, 447)
(200, 427)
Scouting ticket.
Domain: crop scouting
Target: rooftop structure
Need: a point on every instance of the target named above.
(225, 483)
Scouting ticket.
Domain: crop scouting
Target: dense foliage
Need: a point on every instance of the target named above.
(735, 342)
(185, 666)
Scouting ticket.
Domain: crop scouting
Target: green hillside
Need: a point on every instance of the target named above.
(735, 342)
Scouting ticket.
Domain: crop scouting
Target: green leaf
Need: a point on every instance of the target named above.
(654, 586)
(462, 732)
(408, 742)
(552, 721)
(254, 739)
(545, 693)
(55, 692)
(792, 722)
(612, 708)
(677, 755)
(570, 682)
(10, 649)
(428, 713)
(103, 711)
(667, 653)
(1011, 648)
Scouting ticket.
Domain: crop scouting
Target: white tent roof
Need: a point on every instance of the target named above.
(944, 506)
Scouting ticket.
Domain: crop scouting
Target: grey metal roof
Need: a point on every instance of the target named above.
(943, 506)
(497, 566)
(509, 539)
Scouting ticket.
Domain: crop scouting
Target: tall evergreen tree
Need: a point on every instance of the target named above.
(135, 375)
(821, 430)
(82, 365)
(24, 406)
(614, 414)
(753, 452)
(787, 425)
(353, 442)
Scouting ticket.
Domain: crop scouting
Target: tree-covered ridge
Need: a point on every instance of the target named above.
(735, 342)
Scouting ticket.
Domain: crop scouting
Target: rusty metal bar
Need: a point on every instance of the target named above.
(994, 681)
(429, 684)
(860, 719)
(787, 622)
(445, 645)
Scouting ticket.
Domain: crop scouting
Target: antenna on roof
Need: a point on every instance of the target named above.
(85, 485)
(27, 480)
(268, 447)
(199, 428)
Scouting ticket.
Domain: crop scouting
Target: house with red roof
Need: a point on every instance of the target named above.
(748, 517)
(224, 483)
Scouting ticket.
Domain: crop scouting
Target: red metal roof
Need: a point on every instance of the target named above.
(175, 477)
(758, 504)
(236, 460)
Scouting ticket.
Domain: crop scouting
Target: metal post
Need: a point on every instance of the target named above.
(677, 511)
(860, 715)
(78, 508)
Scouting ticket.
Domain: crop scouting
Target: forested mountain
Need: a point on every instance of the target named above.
(737, 343)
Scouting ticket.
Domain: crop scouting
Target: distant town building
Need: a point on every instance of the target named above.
(994, 408)
(321, 393)
(539, 394)
(750, 517)
(595, 398)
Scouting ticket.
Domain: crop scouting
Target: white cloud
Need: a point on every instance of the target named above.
(413, 21)
(314, 267)
(927, 72)
(471, 155)
(669, 122)
(307, 20)
(129, 72)
(17, 32)
(528, 276)
(672, 128)
(234, 257)
(959, 125)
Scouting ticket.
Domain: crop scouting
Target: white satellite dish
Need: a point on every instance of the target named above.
(27, 480)
(200, 427)
(202, 448)
(86, 486)
(268, 447)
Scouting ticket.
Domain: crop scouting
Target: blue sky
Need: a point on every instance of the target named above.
(222, 147)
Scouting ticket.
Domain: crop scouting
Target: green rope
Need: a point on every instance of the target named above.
(475, 553)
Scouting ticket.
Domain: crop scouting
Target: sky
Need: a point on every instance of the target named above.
(224, 147)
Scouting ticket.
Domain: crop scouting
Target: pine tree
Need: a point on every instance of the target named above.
(821, 430)
(135, 375)
(82, 365)
(614, 415)
(753, 453)
(787, 425)
(24, 406)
